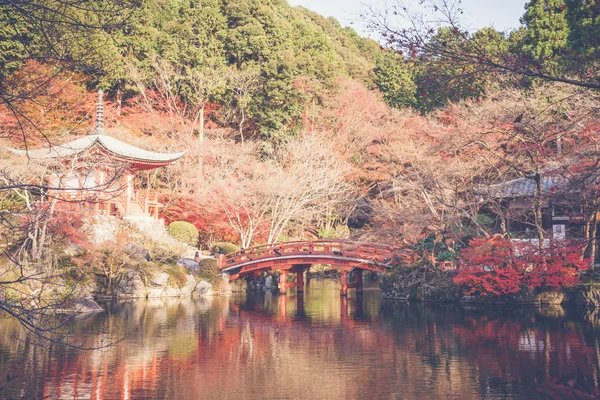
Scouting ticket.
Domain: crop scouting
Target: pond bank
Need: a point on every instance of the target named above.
(400, 286)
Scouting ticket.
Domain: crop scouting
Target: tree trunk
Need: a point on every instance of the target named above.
(587, 234)
(201, 130)
(537, 210)
(40, 235)
(503, 229)
(593, 242)
(241, 125)
(119, 98)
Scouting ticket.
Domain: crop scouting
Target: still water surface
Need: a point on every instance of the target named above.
(315, 346)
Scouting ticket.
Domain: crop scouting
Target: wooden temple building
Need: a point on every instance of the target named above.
(564, 211)
(97, 173)
(560, 219)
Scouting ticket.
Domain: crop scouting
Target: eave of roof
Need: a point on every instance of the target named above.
(107, 143)
(524, 187)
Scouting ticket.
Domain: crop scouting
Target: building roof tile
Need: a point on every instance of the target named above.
(524, 187)
(106, 142)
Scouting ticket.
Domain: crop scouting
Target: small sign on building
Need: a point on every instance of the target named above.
(558, 232)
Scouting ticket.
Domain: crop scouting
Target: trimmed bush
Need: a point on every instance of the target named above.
(326, 233)
(224, 248)
(184, 232)
(208, 270)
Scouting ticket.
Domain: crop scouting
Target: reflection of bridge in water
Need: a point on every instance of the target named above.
(296, 257)
(349, 316)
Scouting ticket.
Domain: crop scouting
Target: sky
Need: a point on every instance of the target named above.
(502, 15)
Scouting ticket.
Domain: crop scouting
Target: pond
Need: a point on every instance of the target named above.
(313, 346)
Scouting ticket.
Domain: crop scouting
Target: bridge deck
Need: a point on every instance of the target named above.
(298, 256)
(310, 252)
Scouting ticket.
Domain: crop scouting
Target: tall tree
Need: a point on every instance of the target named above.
(394, 77)
(547, 33)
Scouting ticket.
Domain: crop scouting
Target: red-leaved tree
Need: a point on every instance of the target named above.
(498, 266)
(488, 267)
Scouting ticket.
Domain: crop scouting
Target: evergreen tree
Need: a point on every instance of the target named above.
(394, 77)
(584, 34)
(546, 38)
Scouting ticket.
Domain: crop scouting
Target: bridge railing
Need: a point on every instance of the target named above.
(376, 253)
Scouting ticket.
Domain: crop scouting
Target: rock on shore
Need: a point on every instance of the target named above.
(158, 285)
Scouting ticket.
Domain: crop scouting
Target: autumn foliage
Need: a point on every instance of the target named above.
(498, 266)
(56, 104)
(213, 225)
(67, 227)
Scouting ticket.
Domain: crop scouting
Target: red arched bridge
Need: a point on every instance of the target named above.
(296, 257)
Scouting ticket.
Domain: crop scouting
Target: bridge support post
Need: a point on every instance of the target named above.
(300, 281)
(282, 282)
(358, 273)
(344, 282)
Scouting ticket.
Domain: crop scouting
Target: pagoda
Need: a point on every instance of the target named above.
(96, 173)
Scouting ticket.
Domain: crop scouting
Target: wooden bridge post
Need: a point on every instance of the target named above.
(344, 282)
(299, 269)
(282, 282)
(358, 273)
(221, 261)
(300, 280)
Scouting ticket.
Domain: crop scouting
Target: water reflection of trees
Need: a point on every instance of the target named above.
(514, 351)
(267, 346)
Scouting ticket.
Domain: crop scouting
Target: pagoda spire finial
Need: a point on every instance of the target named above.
(99, 129)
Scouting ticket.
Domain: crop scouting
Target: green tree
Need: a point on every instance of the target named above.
(584, 36)
(547, 32)
(394, 77)
(440, 80)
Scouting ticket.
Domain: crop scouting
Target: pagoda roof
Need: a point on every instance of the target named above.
(107, 143)
(99, 139)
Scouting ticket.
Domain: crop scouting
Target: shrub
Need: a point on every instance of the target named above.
(178, 275)
(208, 270)
(340, 231)
(446, 255)
(184, 232)
(224, 248)
(164, 255)
(326, 233)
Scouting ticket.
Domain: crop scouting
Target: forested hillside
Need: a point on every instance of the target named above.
(244, 56)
